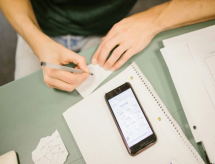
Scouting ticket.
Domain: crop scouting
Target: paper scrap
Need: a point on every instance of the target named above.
(89, 85)
(50, 150)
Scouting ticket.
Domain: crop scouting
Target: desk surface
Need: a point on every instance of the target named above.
(29, 110)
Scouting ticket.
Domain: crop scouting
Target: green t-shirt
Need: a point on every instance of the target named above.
(79, 17)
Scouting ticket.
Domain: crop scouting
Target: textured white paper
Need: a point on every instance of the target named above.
(50, 150)
(89, 85)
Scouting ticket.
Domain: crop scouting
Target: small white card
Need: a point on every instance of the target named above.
(50, 150)
(89, 85)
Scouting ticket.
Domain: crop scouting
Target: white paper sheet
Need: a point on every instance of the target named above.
(204, 56)
(99, 139)
(208, 35)
(50, 150)
(88, 86)
(193, 94)
(182, 49)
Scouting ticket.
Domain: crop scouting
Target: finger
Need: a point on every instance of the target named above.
(96, 54)
(115, 56)
(68, 77)
(55, 83)
(95, 58)
(52, 86)
(127, 55)
(80, 61)
(106, 49)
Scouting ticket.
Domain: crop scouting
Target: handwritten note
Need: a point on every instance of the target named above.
(88, 86)
(50, 150)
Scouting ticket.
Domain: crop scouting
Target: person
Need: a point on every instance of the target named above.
(39, 21)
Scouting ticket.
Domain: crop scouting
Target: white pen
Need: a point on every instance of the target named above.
(63, 68)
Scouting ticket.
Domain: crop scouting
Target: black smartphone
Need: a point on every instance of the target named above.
(131, 121)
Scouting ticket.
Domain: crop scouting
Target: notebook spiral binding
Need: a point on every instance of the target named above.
(166, 112)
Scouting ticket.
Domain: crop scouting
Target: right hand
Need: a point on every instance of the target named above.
(53, 52)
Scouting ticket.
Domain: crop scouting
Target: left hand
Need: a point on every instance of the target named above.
(131, 35)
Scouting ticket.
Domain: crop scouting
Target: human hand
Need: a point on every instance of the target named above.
(55, 53)
(131, 35)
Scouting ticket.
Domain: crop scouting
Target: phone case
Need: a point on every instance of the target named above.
(121, 134)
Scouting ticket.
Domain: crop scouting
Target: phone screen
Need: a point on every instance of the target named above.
(130, 117)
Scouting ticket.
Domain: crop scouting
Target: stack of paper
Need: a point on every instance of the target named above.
(191, 62)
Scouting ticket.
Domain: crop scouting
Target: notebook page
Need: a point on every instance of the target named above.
(203, 54)
(192, 92)
(99, 140)
(89, 85)
(174, 125)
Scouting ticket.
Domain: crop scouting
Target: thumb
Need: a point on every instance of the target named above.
(80, 61)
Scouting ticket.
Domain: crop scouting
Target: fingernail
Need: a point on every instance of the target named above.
(112, 69)
(94, 61)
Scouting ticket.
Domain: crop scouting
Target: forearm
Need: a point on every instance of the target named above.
(178, 13)
(21, 16)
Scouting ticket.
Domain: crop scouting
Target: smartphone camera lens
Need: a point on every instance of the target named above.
(117, 91)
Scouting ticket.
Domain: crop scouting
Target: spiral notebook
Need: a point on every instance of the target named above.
(98, 138)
